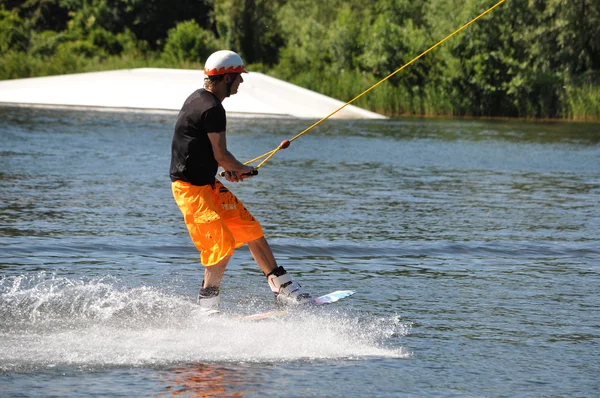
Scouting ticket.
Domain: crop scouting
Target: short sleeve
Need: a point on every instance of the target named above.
(214, 120)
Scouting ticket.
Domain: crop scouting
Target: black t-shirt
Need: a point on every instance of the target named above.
(192, 157)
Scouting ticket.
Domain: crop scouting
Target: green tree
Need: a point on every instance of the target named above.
(500, 73)
(533, 58)
(189, 42)
(45, 43)
(41, 14)
(150, 20)
(574, 25)
(14, 32)
(251, 28)
(395, 36)
(311, 42)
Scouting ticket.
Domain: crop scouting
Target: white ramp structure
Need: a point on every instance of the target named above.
(159, 90)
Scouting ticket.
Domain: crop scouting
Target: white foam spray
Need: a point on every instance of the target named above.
(51, 321)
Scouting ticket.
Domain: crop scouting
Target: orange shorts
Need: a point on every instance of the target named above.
(217, 221)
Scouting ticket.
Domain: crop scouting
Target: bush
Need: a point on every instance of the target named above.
(79, 48)
(15, 65)
(189, 42)
(131, 45)
(14, 34)
(45, 43)
(106, 41)
(581, 98)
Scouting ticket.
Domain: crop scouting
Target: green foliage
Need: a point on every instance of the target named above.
(582, 97)
(41, 14)
(150, 20)
(251, 28)
(189, 42)
(101, 38)
(500, 74)
(338, 47)
(131, 45)
(528, 58)
(14, 33)
(14, 65)
(45, 43)
(574, 28)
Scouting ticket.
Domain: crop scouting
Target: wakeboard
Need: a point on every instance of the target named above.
(324, 299)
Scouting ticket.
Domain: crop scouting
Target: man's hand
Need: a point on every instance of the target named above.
(240, 174)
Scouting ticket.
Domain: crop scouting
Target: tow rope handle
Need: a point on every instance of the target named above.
(284, 144)
(252, 173)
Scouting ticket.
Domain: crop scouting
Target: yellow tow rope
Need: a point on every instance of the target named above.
(286, 143)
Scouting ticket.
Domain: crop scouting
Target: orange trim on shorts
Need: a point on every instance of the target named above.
(217, 221)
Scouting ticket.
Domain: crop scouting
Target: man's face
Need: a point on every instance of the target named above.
(237, 80)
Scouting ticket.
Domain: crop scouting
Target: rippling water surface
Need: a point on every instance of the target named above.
(473, 247)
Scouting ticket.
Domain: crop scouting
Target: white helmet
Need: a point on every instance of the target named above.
(222, 62)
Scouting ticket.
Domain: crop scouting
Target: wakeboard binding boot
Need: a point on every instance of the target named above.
(286, 291)
(208, 299)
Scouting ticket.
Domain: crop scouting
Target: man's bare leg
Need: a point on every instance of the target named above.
(208, 297)
(280, 282)
(214, 273)
(263, 255)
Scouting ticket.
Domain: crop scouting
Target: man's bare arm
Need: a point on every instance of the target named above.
(224, 158)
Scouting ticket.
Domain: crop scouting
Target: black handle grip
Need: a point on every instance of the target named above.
(252, 173)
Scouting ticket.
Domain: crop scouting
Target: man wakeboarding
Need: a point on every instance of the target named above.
(217, 221)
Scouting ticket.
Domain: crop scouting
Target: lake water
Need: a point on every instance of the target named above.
(473, 248)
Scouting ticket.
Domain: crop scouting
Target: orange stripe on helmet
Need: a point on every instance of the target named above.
(223, 71)
(222, 62)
